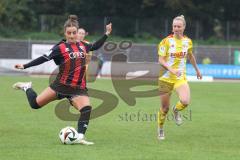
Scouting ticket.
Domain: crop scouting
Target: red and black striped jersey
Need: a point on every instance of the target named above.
(71, 59)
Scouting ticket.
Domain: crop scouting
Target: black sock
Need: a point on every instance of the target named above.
(84, 119)
(31, 96)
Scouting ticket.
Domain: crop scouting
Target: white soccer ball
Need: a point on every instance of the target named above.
(68, 135)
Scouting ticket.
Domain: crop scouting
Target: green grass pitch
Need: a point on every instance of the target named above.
(211, 129)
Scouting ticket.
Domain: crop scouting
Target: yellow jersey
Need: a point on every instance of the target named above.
(175, 52)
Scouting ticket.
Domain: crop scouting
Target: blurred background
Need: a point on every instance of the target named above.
(213, 25)
(206, 20)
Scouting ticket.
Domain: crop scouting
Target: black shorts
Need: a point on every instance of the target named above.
(64, 91)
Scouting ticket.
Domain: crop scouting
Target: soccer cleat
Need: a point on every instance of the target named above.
(22, 85)
(98, 76)
(84, 142)
(81, 140)
(177, 116)
(161, 135)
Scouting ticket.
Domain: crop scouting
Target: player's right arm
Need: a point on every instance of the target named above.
(34, 62)
(162, 53)
(42, 59)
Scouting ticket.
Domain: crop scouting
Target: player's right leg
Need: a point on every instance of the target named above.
(165, 90)
(34, 100)
(162, 114)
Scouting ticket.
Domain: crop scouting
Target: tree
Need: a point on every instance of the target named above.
(16, 14)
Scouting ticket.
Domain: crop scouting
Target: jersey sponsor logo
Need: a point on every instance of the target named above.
(73, 55)
(178, 54)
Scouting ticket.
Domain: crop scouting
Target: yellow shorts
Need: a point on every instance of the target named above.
(168, 87)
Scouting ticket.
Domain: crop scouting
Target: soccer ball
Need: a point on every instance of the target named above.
(68, 135)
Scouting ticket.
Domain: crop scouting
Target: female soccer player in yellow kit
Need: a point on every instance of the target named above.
(173, 52)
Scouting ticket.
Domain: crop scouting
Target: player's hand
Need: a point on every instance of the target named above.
(19, 66)
(108, 28)
(199, 75)
(177, 72)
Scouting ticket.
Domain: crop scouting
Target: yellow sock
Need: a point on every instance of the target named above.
(161, 118)
(179, 106)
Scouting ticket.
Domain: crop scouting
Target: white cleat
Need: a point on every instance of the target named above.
(177, 117)
(98, 76)
(84, 142)
(81, 140)
(22, 85)
(161, 135)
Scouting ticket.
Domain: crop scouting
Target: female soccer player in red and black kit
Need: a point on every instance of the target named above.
(70, 83)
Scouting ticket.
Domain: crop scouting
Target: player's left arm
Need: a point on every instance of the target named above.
(192, 60)
(98, 44)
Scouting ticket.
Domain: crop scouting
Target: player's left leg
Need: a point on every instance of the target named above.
(183, 92)
(36, 101)
(82, 103)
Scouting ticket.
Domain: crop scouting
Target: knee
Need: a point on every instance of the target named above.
(185, 102)
(86, 109)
